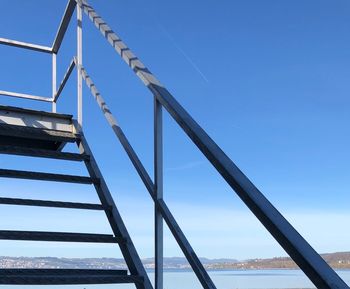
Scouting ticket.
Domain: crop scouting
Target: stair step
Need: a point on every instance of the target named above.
(53, 204)
(19, 131)
(46, 177)
(65, 277)
(23, 151)
(32, 137)
(35, 112)
(35, 119)
(58, 237)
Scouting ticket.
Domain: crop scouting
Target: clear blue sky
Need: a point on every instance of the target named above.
(268, 80)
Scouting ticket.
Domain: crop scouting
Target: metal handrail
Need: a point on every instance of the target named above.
(160, 204)
(67, 15)
(30, 46)
(318, 271)
(51, 50)
(25, 45)
(26, 96)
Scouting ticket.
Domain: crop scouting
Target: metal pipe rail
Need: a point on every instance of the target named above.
(26, 96)
(30, 46)
(318, 271)
(56, 94)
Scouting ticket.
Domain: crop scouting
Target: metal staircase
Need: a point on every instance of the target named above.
(29, 133)
(40, 134)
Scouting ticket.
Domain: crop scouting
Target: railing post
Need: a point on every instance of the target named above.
(79, 64)
(158, 181)
(54, 80)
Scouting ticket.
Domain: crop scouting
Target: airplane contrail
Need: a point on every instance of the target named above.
(194, 65)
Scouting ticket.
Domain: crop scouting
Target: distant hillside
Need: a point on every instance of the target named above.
(340, 260)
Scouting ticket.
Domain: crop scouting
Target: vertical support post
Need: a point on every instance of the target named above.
(158, 181)
(54, 80)
(79, 64)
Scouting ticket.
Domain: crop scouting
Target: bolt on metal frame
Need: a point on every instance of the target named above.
(310, 262)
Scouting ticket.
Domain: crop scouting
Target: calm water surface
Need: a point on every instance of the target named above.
(237, 279)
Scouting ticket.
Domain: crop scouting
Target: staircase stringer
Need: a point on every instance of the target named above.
(127, 247)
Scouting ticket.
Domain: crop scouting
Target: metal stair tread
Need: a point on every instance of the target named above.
(42, 153)
(65, 276)
(36, 133)
(17, 174)
(52, 204)
(58, 237)
(36, 112)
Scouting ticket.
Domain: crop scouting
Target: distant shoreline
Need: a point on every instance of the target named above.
(338, 261)
(245, 270)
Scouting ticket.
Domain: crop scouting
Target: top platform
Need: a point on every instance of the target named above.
(29, 128)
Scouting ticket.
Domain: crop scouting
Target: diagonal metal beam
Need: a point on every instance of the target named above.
(63, 25)
(312, 264)
(118, 131)
(64, 80)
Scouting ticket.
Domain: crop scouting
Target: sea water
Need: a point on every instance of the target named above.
(227, 279)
